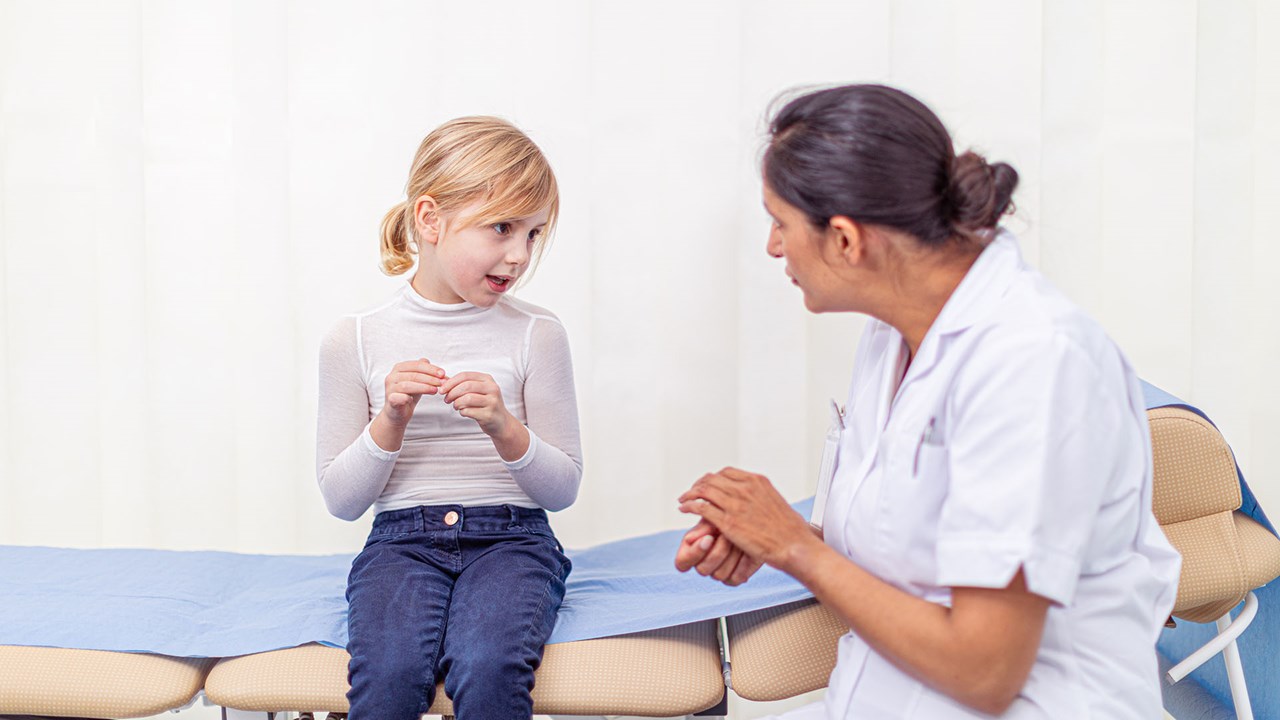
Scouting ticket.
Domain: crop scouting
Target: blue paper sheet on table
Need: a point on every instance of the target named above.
(217, 604)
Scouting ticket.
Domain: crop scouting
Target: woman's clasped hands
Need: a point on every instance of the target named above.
(745, 523)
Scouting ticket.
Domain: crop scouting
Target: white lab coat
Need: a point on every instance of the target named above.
(1017, 439)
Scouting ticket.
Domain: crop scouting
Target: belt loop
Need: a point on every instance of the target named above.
(515, 516)
(419, 519)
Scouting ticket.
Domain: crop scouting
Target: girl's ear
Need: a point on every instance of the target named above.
(848, 238)
(426, 219)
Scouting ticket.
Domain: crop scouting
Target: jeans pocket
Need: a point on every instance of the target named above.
(542, 531)
(388, 533)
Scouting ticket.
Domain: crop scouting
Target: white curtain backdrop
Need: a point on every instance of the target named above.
(190, 195)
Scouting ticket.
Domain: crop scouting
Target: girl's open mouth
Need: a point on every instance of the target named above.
(498, 283)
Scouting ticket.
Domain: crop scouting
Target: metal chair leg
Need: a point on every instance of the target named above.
(1225, 642)
(1235, 672)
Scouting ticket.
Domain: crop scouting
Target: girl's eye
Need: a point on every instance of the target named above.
(502, 228)
(533, 235)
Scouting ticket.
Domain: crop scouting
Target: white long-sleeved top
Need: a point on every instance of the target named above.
(445, 458)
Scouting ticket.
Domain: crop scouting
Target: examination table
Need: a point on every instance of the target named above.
(634, 637)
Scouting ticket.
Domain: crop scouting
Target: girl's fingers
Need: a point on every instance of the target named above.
(464, 388)
(470, 400)
(462, 377)
(413, 388)
(420, 377)
(426, 366)
(421, 365)
(399, 400)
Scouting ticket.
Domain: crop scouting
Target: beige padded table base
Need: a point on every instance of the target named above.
(659, 673)
(94, 684)
(782, 651)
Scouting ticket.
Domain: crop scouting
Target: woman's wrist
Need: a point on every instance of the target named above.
(802, 558)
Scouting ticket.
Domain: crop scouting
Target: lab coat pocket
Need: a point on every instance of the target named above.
(930, 465)
(910, 504)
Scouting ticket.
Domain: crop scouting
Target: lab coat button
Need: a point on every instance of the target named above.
(451, 518)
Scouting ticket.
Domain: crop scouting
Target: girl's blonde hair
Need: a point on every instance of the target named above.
(466, 160)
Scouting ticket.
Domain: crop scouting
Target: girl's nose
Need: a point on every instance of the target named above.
(518, 255)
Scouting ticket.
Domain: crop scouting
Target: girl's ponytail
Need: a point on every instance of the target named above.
(397, 257)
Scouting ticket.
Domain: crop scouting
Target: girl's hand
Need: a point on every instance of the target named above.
(708, 551)
(477, 396)
(407, 382)
(747, 510)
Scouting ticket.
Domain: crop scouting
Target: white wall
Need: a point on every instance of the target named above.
(190, 194)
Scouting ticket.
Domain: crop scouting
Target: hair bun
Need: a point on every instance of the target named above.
(980, 193)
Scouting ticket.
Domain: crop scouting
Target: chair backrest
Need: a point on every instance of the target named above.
(1195, 494)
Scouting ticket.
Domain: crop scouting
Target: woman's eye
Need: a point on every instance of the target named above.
(502, 228)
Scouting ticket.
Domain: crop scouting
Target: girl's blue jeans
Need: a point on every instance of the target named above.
(473, 601)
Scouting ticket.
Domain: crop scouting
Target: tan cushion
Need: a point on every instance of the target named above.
(1213, 578)
(1259, 549)
(94, 683)
(1195, 472)
(1196, 493)
(310, 677)
(783, 651)
(660, 673)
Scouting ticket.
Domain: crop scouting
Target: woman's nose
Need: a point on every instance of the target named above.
(774, 245)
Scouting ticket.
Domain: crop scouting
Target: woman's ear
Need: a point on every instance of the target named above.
(848, 238)
(426, 219)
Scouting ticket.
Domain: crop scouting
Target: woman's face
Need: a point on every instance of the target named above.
(794, 239)
(478, 264)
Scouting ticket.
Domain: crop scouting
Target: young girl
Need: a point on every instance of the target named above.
(450, 408)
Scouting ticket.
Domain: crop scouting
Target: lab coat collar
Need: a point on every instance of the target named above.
(982, 287)
(973, 299)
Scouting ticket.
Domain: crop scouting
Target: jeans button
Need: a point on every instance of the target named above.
(451, 518)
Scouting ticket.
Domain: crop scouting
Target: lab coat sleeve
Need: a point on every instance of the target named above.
(1033, 442)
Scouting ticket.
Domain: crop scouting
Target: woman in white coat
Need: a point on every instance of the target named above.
(987, 535)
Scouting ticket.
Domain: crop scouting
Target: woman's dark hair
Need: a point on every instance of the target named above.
(878, 156)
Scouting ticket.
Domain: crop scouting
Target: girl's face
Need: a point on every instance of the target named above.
(477, 264)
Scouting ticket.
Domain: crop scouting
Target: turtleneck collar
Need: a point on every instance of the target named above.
(462, 308)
